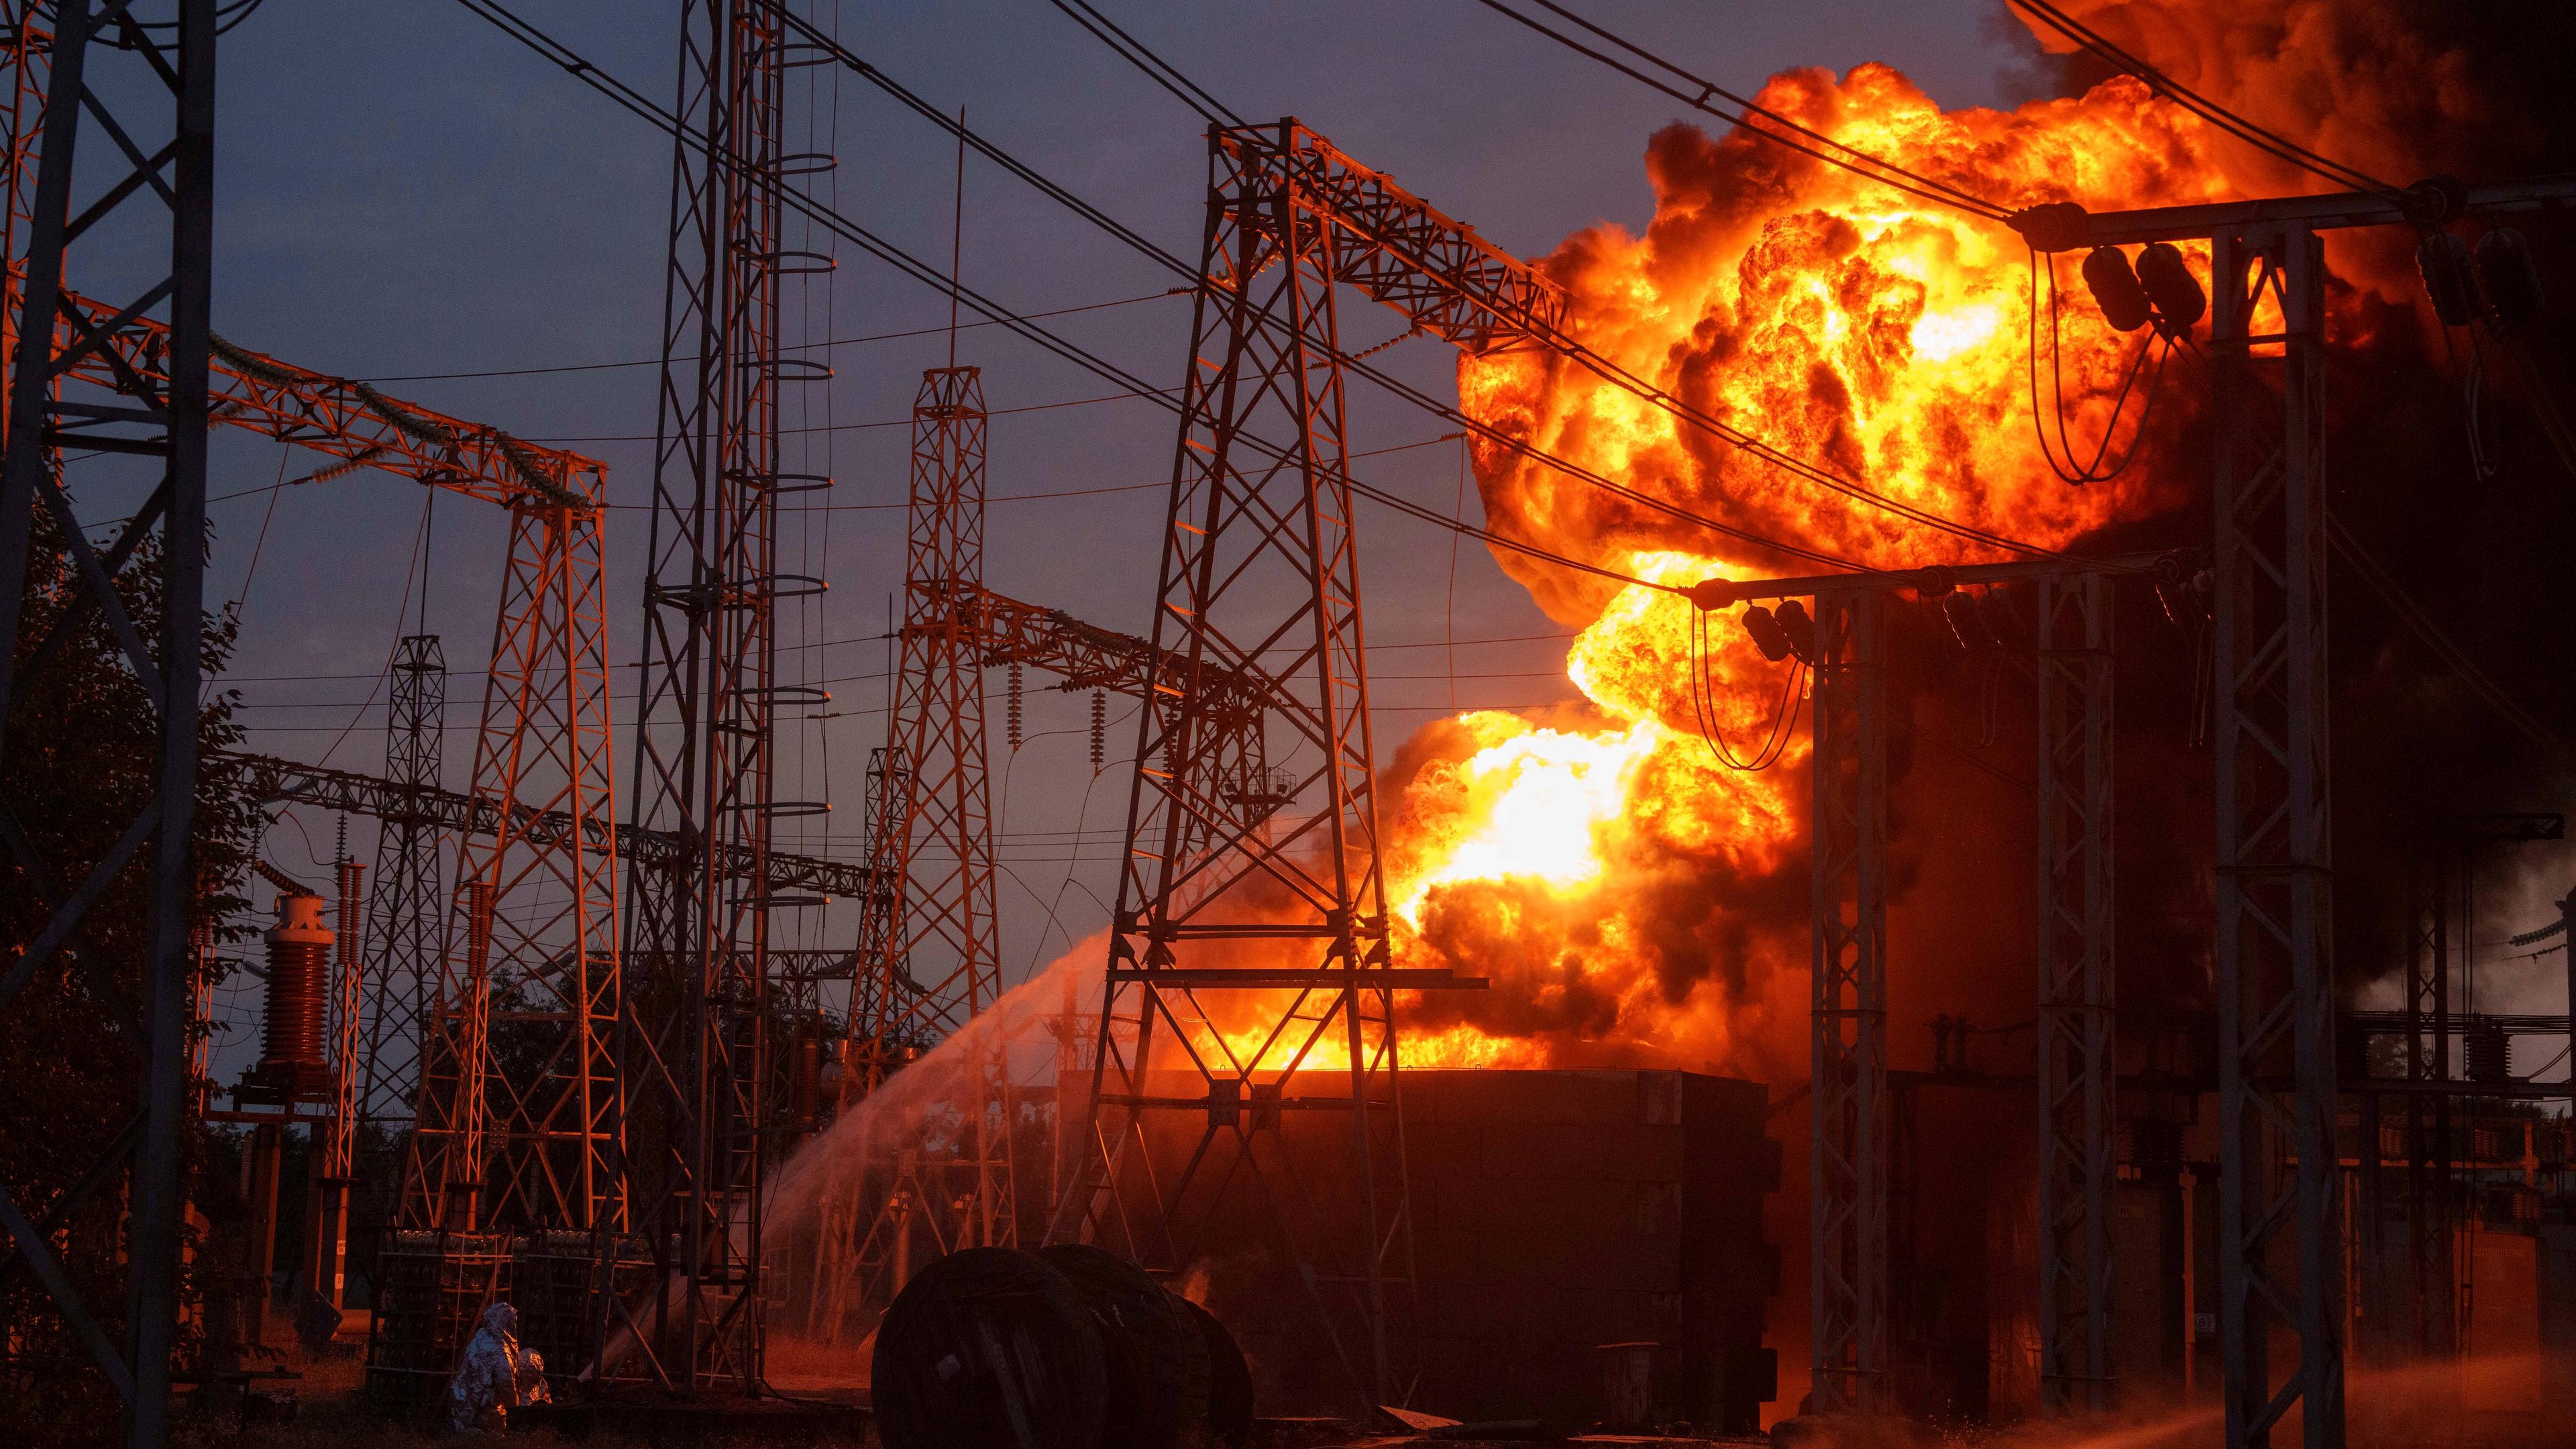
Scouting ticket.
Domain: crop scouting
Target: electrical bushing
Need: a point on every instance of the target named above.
(292, 1064)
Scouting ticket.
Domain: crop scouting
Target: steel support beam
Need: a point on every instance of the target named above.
(2279, 1259)
(2076, 1070)
(1259, 586)
(1848, 1140)
(164, 200)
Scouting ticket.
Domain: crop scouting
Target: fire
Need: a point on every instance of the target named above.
(1882, 337)
(1533, 805)
(1632, 898)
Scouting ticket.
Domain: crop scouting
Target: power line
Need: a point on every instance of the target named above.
(2278, 145)
(633, 101)
(1652, 395)
(1133, 51)
(790, 347)
(894, 256)
(1181, 268)
(1852, 159)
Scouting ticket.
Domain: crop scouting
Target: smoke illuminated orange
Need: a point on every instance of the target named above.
(1629, 896)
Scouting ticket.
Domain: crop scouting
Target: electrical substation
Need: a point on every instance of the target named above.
(1827, 1021)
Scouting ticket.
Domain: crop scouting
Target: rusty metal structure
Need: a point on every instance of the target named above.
(149, 95)
(932, 836)
(541, 750)
(1853, 1123)
(326, 1237)
(2275, 974)
(2279, 1271)
(1259, 587)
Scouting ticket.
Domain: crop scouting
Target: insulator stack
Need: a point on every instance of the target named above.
(291, 1064)
(1099, 730)
(1013, 712)
(2490, 1053)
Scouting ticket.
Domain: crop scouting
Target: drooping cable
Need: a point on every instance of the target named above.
(1784, 715)
(1813, 143)
(2070, 471)
(2279, 146)
(1134, 52)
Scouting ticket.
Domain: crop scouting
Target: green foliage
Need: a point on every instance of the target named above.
(81, 754)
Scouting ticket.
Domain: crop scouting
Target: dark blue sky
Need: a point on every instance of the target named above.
(404, 190)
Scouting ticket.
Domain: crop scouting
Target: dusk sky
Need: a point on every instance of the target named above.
(403, 190)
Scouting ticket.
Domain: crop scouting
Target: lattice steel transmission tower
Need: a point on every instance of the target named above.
(708, 699)
(1848, 1121)
(1259, 586)
(152, 223)
(931, 844)
(2076, 1070)
(407, 937)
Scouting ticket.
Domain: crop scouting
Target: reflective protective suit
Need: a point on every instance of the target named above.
(498, 1375)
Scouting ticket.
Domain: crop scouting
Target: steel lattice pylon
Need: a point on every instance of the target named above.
(2076, 1070)
(538, 915)
(1253, 819)
(407, 930)
(707, 701)
(2275, 986)
(1849, 1123)
(931, 842)
(162, 197)
(1259, 582)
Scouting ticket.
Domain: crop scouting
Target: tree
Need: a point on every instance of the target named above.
(81, 752)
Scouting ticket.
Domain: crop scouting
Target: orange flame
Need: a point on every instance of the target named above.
(1629, 896)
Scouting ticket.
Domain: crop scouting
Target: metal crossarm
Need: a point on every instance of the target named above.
(1389, 244)
(1394, 246)
(347, 420)
(352, 792)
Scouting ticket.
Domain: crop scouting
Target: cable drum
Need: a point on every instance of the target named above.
(1157, 1354)
(990, 1348)
(1229, 1417)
